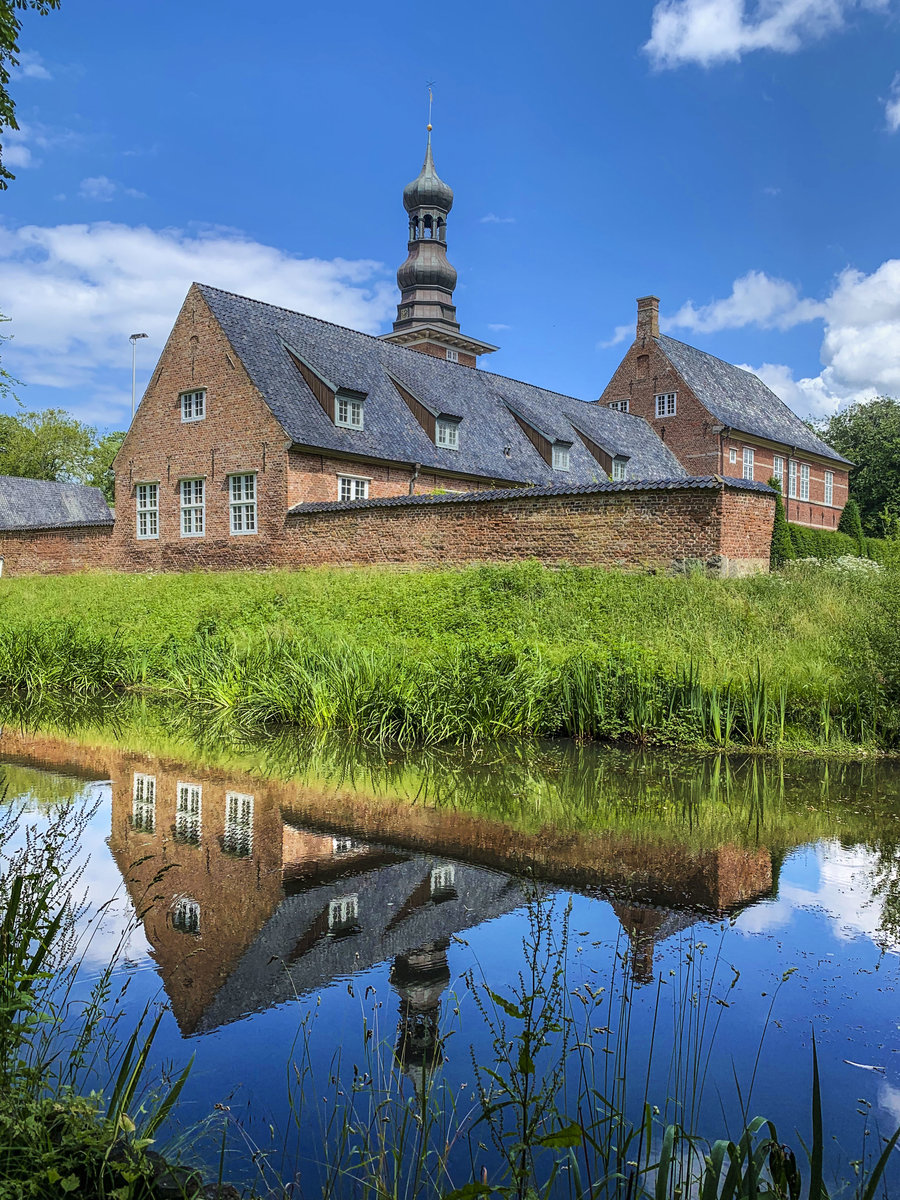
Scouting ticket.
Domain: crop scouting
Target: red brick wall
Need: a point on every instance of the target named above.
(465, 360)
(56, 551)
(238, 434)
(645, 372)
(617, 529)
(314, 477)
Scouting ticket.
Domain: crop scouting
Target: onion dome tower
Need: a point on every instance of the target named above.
(426, 315)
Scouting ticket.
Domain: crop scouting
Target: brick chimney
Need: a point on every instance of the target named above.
(647, 318)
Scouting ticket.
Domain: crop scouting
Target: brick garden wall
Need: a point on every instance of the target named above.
(636, 529)
(57, 551)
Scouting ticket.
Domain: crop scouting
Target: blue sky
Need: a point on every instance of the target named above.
(739, 158)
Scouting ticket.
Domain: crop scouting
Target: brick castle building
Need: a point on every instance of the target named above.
(270, 438)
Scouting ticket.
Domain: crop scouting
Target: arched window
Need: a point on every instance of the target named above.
(429, 232)
(441, 225)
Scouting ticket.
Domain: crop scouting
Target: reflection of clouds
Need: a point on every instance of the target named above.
(107, 925)
(843, 894)
(889, 1100)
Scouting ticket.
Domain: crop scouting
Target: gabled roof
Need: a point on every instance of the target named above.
(491, 443)
(44, 504)
(740, 399)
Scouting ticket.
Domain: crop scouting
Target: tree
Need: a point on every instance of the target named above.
(869, 435)
(46, 445)
(10, 28)
(105, 450)
(782, 546)
(851, 524)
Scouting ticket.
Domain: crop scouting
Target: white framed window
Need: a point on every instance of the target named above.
(732, 455)
(666, 404)
(749, 457)
(343, 913)
(147, 495)
(560, 457)
(352, 487)
(443, 881)
(778, 469)
(452, 355)
(345, 845)
(348, 412)
(829, 487)
(193, 507)
(792, 480)
(619, 468)
(186, 915)
(446, 434)
(193, 405)
(143, 804)
(619, 405)
(242, 501)
(804, 481)
(238, 839)
(188, 813)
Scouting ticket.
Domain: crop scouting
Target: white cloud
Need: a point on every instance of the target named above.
(31, 66)
(620, 334)
(100, 187)
(19, 145)
(715, 31)
(756, 299)
(78, 291)
(499, 328)
(493, 219)
(892, 105)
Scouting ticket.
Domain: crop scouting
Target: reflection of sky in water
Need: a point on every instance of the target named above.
(823, 921)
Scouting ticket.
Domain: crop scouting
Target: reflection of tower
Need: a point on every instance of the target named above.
(642, 925)
(420, 979)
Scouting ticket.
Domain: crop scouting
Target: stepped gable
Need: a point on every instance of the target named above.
(740, 399)
(46, 504)
(492, 445)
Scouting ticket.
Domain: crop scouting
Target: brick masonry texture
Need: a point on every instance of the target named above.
(692, 435)
(57, 551)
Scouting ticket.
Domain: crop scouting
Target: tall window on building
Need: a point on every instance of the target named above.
(193, 405)
(804, 481)
(188, 813)
(829, 487)
(778, 469)
(748, 462)
(147, 495)
(619, 405)
(193, 507)
(242, 492)
(348, 412)
(351, 487)
(666, 404)
(446, 434)
(143, 803)
(792, 480)
(238, 839)
(732, 455)
(560, 456)
(186, 916)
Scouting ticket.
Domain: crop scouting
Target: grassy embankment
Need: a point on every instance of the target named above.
(806, 659)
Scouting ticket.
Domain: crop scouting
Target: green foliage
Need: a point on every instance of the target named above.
(822, 543)
(782, 546)
(10, 28)
(851, 524)
(869, 435)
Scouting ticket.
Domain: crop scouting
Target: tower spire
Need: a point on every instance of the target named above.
(426, 315)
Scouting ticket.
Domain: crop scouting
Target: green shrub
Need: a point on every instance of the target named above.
(782, 546)
(822, 543)
(851, 524)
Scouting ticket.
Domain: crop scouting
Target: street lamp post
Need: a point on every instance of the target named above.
(134, 339)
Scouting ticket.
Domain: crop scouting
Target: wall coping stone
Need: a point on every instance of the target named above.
(685, 484)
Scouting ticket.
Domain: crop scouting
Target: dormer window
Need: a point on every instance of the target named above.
(193, 405)
(446, 433)
(453, 356)
(561, 456)
(348, 412)
(619, 466)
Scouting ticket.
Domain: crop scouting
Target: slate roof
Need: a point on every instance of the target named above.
(43, 504)
(689, 482)
(491, 443)
(740, 399)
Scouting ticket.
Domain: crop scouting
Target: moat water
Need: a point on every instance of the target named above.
(297, 905)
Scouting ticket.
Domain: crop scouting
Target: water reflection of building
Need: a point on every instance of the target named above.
(253, 891)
